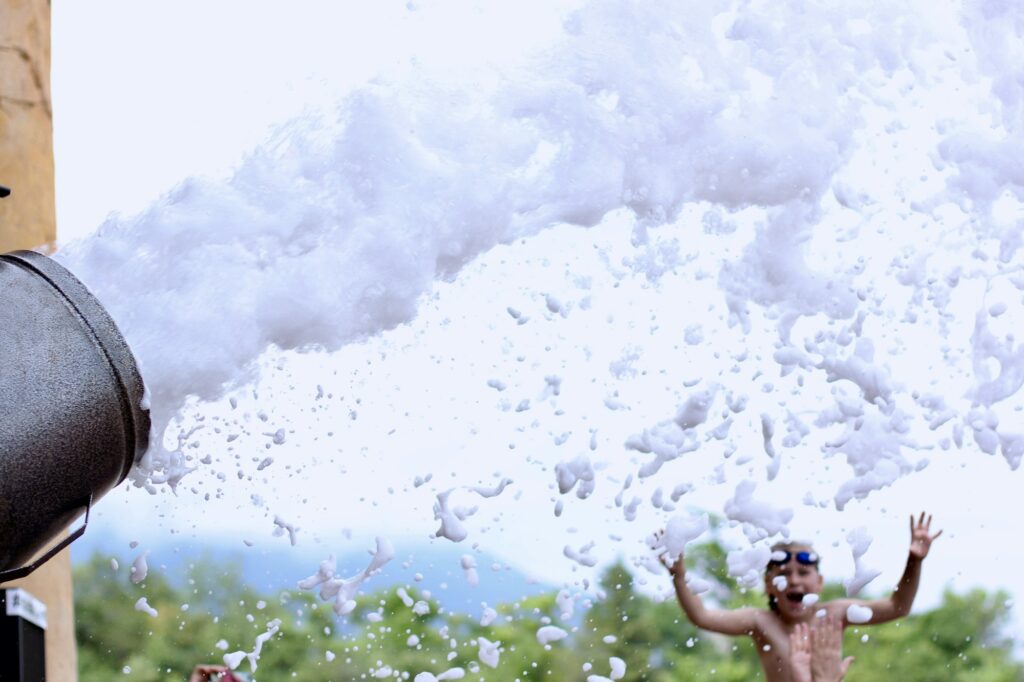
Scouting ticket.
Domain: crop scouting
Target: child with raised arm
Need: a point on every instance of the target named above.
(792, 575)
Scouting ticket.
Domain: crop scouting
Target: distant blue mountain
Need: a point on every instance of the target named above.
(273, 570)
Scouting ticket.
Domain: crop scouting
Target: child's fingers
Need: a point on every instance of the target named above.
(799, 639)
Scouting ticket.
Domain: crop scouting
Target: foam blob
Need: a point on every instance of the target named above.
(550, 633)
(139, 568)
(488, 653)
(765, 519)
(858, 614)
(681, 530)
(143, 605)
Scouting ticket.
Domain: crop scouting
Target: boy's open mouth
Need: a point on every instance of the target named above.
(795, 597)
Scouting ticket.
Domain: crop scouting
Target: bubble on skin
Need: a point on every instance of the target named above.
(858, 614)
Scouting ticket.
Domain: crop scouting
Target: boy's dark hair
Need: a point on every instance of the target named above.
(789, 546)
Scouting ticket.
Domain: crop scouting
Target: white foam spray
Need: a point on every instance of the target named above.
(336, 228)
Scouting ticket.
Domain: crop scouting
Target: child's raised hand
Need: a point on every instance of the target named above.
(827, 662)
(920, 536)
(800, 652)
(673, 567)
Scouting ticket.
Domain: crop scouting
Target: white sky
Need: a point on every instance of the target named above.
(146, 94)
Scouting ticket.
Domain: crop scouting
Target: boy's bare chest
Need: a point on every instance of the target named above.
(772, 643)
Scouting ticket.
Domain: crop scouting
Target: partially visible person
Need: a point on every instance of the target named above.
(212, 672)
(793, 584)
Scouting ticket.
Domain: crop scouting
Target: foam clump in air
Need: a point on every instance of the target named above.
(213, 267)
(143, 605)
(139, 568)
(234, 659)
(581, 556)
(859, 541)
(451, 517)
(494, 491)
(679, 531)
(577, 473)
(747, 565)
(566, 604)
(666, 441)
(873, 449)
(489, 652)
(343, 590)
(282, 527)
(451, 674)
(760, 519)
(468, 563)
(550, 633)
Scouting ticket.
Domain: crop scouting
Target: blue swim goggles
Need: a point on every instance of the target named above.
(805, 558)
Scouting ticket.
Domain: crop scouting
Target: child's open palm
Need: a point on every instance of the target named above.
(920, 536)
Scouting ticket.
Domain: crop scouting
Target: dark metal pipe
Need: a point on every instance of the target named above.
(72, 420)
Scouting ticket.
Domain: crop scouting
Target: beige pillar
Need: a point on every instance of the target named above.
(27, 219)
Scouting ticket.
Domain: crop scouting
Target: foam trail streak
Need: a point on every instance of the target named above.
(334, 228)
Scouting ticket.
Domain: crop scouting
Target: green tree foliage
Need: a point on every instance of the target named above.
(394, 634)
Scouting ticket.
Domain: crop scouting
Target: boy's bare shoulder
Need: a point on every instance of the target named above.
(839, 607)
(765, 620)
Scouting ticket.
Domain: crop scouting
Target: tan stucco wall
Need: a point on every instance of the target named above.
(27, 219)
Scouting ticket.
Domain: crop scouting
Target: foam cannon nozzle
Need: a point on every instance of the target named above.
(72, 422)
